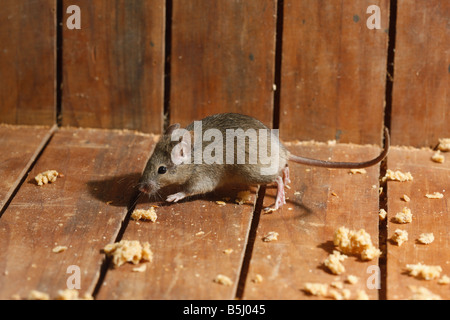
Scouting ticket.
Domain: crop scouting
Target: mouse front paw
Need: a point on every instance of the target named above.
(176, 197)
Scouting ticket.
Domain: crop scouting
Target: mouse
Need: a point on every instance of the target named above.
(227, 149)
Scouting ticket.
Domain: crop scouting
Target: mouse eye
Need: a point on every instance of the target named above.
(162, 170)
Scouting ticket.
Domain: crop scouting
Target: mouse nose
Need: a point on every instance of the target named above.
(145, 188)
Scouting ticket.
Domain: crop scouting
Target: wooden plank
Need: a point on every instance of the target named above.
(306, 225)
(82, 210)
(188, 241)
(113, 67)
(333, 71)
(20, 146)
(223, 59)
(28, 62)
(429, 216)
(420, 108)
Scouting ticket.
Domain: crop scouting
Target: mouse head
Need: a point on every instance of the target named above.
(168, 164)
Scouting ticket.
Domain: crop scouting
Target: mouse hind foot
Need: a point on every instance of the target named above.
(281, 196)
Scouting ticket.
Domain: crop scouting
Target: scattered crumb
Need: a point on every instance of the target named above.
(382, 214)
(142, 268)
(399, 236)
(356, 243)
(72, 294)
(426, 238)
(405, 216)
(221, 203)
(200, 233)
(444, 144)
(397, 176)
(361, 295)
(334, 194)
(333, 262)
(406, 198)
(316, 289)
(59, 249)
(352, 279)
(228, 251)
(360, 171)
(423, 271)
(224, 280)
(422, 293)
(438, 157)
(434, 195)
(271, 236)
(38, 295)
(243, 197)
(142, 214)
(444, 280)
(129, 251)
(258, 278)
(45, 177)
(337, 284)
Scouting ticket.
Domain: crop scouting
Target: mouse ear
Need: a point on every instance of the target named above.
(172, 128)
(181, 152)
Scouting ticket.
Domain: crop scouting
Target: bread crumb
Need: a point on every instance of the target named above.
(422, 293)
(72, 294)
(333, 262)
(397, 176)
(444, 280)
(382, 214)
(438, 157)
(355, 243)
(337, 284)
(444, 144)
(405, 198)
(228, 251)
(38, 295)
(434, 195)
(399, 236)
(426, 238)
(352, 279)
(243, 197)
(59, 249)
(142, 268)
(258, 278)
(129, 251)
(45, 177)
(224, 280)
(360, 171)
(271, 236)
(405, 216)
(221, 203)
(316, 289)
(361, 295)
(142, 214)
(422, 271)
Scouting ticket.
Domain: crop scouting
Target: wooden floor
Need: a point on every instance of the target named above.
(90, 207)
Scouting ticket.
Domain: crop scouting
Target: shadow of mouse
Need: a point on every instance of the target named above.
(118, 191)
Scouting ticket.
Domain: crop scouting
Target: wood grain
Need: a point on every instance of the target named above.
(20, 146)
(429, 216)
(223, 59)
(82, 210)
(188, 242)
(421, 105)
(333, 71)
(320, 201)
(28, 62)
(113, 68)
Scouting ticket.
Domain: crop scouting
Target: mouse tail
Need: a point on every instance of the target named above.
(345, 165)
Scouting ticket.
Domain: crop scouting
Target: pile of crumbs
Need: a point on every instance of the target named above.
(422, 293)
(426, 238)
(142, 214)
(397, 176)
(67, 294)
(423, 271)
(438, 157)
(333, 291)
(399, 236)
(444, 144)
(358, 243)
(45, 177)
(333, 262)
(128, 251)
(405, 216)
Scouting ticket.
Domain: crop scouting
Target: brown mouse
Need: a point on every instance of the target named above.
(226, 149)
